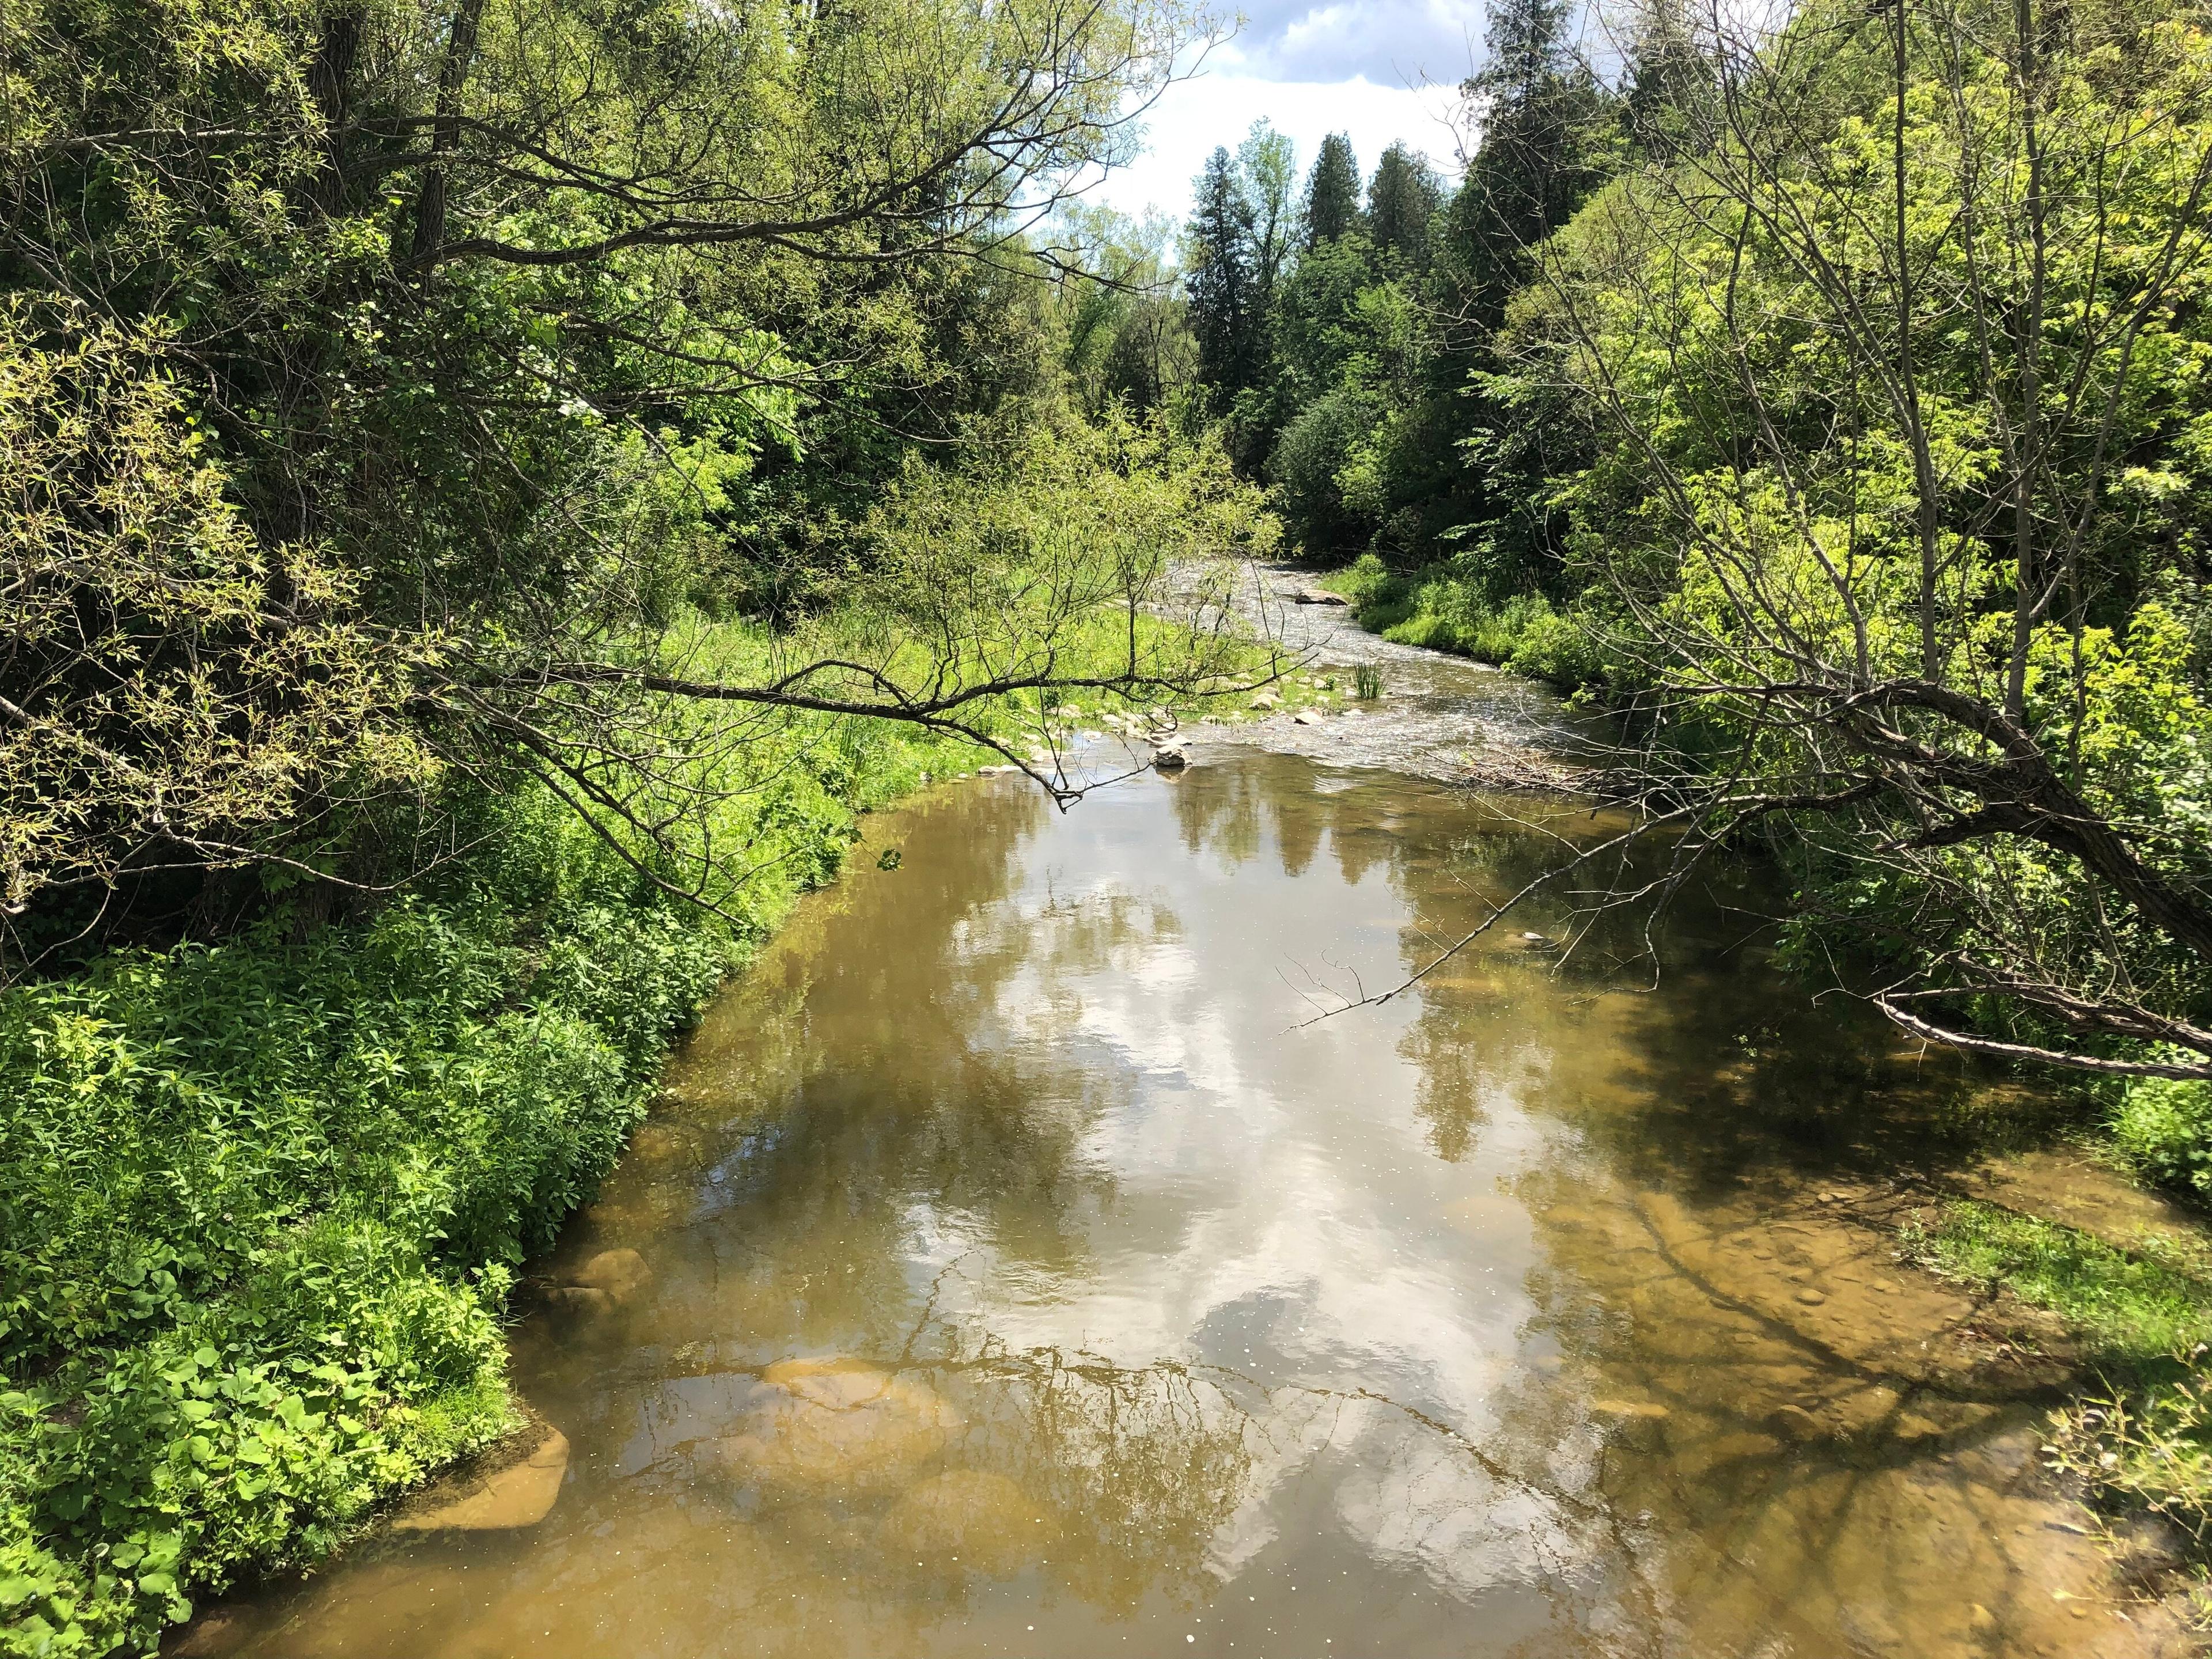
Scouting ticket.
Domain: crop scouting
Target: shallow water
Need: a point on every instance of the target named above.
(1547, 1310)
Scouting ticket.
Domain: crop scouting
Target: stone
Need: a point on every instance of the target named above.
(1633, 1422)
(835, 1424)
(1170, 758)
(1797, 1425)
(1303, 718)
(521, 1495)
(1266, 701)
(579, 1301)
(620, 1274)
(1319, 596)
(983, 1521)
(1811, 1297)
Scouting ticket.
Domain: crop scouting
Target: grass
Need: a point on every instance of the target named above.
(2143, 1439)
(1438, 609)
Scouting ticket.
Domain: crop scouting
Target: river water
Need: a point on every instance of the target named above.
(1020, 1272)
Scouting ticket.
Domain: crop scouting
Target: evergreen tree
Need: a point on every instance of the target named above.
(1332, 192)
(1544, 125)
(1666, 90)
(1401, 199)
(1222, 256)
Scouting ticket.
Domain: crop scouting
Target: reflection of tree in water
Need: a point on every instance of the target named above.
(1224, 811)
(849, 1083)
(1138, 1466)
(1671, 1040)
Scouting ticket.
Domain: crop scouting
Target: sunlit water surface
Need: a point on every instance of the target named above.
(1514, 1315)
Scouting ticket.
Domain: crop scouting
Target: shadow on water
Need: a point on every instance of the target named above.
(1018, 1273)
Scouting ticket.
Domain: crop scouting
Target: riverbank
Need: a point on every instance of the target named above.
(265, 1199)
(2097, 1228)
(265, 1202)
(1008, 1255)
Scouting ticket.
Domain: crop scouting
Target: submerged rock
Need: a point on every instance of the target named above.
(1797, 1425)
(839, 1424)
(579, 1301)
(620, 1274)
(521, 1495)
(1636, 1422)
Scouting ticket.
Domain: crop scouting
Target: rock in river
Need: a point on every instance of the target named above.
(519, 1495)
(842, 1425)
(620, 1274)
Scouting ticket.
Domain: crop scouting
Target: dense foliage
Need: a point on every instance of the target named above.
(1829, 396)
(492, 489)
(386, 392)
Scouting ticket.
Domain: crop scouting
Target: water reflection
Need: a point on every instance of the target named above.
(1018, 1275)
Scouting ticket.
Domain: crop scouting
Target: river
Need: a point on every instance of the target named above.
(1021, 1269)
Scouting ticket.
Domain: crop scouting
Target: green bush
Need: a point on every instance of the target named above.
(2143, 1314)
(257, 1207)
(1308, 462)
(2164, 1128)
(1442, 609)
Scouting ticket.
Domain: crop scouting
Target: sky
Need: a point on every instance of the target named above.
(1380, 71)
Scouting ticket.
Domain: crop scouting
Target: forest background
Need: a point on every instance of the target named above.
(495, 488)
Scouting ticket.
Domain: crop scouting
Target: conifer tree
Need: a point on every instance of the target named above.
(1222, 257)
(1332, 192)
(1543, 116)
(1401, 198)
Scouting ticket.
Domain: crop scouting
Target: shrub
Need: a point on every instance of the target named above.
(2164, 1128)
(1305, 469)
(257, 1208)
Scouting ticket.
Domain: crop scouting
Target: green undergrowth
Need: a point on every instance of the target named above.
(1443, 610)
(2143, 1438)
(262, 1201)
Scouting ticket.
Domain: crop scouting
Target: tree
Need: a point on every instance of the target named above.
(1896, 503)
(1266, 175)
(482, 326)
(1542, 116)
(1222, 257)
(1666, 88)
(1401, 198)
(1332, 206)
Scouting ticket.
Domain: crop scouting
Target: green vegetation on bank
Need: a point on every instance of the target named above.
(1824, 391)
(2144, 1314)
(1431, 608)
(265, 1197)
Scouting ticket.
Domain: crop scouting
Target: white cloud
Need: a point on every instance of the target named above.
(1219, 106)
(1388, 42)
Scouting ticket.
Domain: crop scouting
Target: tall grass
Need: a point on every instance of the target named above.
(1443, 610)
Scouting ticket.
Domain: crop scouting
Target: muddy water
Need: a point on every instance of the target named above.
(1019, 1277)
